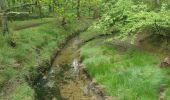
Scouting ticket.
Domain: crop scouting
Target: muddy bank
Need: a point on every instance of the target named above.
(96, 37)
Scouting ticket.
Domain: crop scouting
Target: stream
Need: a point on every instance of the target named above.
(64, 81)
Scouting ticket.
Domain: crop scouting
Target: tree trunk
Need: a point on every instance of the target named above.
(32, 8)
(49, 8)
(78, 9)
(89, 9)
(158, 4)
(39, 8)
(40, 11)
(96, 13)
(4, 18)
(72, 4)
(63, 23)
(5, 23)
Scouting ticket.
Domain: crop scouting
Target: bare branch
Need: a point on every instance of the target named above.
(17, 13)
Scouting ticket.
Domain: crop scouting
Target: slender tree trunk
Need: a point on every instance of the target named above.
(5, 23)
(32, 8)
(53, 5)
(89, 9)
(40, 11)
(49, 8)
(39, 8)
(158, 4)
(4, 20)
(64, 22)
(72, 4)
(78, 9)
(96, 13)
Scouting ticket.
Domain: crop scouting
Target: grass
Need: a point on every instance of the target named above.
(22, 92)
(90, 33)
(17, 24)
(133, 75)
(33, 46)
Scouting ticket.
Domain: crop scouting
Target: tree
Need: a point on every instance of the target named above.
(78, 9)
(5, 10)
(4, 22)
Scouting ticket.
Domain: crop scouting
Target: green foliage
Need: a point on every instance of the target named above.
(131, 17)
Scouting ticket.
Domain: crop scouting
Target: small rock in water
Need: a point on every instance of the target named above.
(54, 98)
(52, 71)
(75, 65)
(52, 76)
(44, 77)
(38, 83)
(50, 84)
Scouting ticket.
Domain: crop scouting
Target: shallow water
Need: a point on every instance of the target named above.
(61, 82)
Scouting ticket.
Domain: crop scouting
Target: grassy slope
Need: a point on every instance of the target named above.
(132, 75)
(33, 46)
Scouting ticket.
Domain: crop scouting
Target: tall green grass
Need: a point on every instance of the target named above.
(23, 92)
(133, 75)
(33, 46)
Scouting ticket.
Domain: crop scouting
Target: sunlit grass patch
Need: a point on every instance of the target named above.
(133, 75)
(22, 92)
(133, 83)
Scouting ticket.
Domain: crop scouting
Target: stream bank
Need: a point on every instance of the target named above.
(59, 81)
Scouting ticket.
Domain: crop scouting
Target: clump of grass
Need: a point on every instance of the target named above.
(6, 75)
(134, 75)
(22, 92)
(90, 33)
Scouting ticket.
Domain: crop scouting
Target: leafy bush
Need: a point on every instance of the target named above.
(131, 17)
